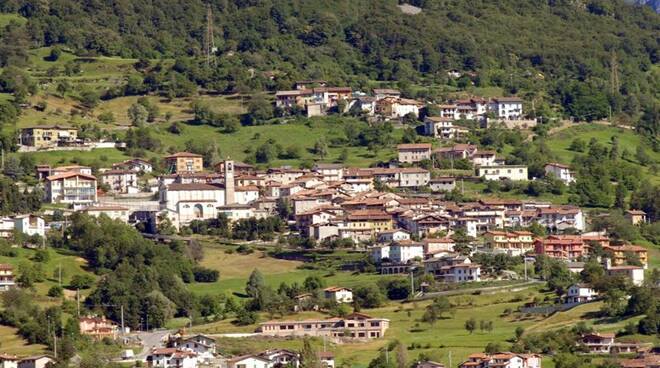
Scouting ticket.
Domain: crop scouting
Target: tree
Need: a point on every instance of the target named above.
(89, 98)
(470, 325)
(369, 296)
(138, 114)
(81, 282)
(321, 148)
(401, 356)
(642, 156)
(259, 109)
(157, 309)
(255, 284)
(620, 197)
(308, 355)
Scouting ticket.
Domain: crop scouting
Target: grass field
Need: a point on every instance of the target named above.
(11, 343)
(6, 18)
(560, 142)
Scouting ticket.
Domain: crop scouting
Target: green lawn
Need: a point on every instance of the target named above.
(104, 156)
(6, 18)
(628, 139)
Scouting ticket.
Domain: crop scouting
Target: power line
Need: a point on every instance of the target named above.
(209, 42)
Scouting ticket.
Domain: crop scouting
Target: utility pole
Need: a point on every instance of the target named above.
(78, 301)
(525, 261)
(59, 273)
(55, 344)
(122, 320)
(412, 283)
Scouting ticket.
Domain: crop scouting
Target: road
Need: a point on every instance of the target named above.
(503, 288)
(150, 340)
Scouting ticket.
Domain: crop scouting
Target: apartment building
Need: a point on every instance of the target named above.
(507, 108)
(121, 181)
(184, 162)
(70, 187)
(512, 243)
(48, 136)
(414, 152)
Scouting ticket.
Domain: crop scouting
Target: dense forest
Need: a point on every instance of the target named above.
(554, 51)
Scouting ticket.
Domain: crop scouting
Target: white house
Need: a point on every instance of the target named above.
(511, 172)
(442, 184)
(249, 361)
(561, 218)
(70, 187)
(203, 346)
(389, 236)
(246, 194)
(330, 172)
(37, 361)
(171, 358)
(135, 164)
(560, 171)
(327, 359)
(339, 294)
(406, 250)
(464, 272)
(6, 277)
(121, 181)
(8, 361)
(379, 253)
(634, 273)
(30, 225)
(580, 293)
(507, 108)
(6, 227)
(441, 127)
(404, 106)
(282, 358)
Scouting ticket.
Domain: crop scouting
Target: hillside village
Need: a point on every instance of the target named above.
(363, 184)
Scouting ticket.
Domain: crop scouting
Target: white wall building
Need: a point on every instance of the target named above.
(507, 108)
(187, 202)
(339, 294)
(404, 251)
(560, 171)
(389, 236)
(580, 293)
(114, 212)
(70, 187)
(121, 181)
(511, 172)
(171, 358)
(30, 225)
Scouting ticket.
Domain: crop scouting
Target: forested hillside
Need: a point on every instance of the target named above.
(546, 49)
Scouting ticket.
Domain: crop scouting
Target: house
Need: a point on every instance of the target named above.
(282, 358)
(506, 108)
(604, 343)
(580, 293)
(414, 152)
(635, 217)
(471, 109)
(98, 328)
(48, 136)
(6, 227)
(70, 187)
(484, 158)
(442, 184)
(121, 181)
(246, 194)
(353, 326)
(37, 361)
(372, 221)
(201, 345)
(557, 218)
(330, 172)
(512, 243)
(502, 360)
(30, 225)
(633, 273)
(396, 108)
(511, 172)
(339, 294)
(8, 361)
(134, 164)
(6, 277)
(442, 127)
(326, 359)
(438, 246)
(240, 168)
(389, 236)
(413, 177)
(44, 171)
(619, 254)
(453, 268)
(114, 212)
(405, 251)
(184, 162)
(315, 101)
(560, 171)
(249, 361)
(171, 358)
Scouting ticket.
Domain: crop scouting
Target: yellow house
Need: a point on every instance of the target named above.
(374, 220)
(184, 162)
(515, 242)
(48, 136)
(618, 254)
